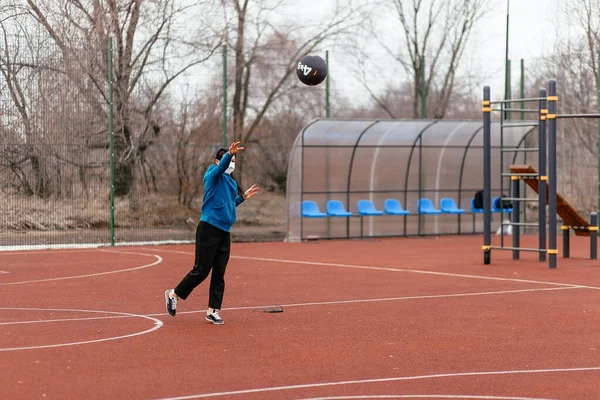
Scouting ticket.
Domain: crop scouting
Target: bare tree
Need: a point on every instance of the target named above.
(266, 54)
(573, 63)
(196, 131)
(434, 31)
(151, 51)
(23, 146)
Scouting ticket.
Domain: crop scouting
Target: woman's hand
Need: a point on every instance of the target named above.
(234, 148)
(250, 192)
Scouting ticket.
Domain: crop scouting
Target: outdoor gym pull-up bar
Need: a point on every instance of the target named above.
(539, 180)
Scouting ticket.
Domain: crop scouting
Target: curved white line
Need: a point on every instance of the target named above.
(157, 325)
(46, 321)
(158, 261)
(379, 380)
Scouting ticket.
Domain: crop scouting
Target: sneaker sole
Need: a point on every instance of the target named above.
(215, 322)
(167, 304)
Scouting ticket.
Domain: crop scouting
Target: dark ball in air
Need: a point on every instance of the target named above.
(311, 70)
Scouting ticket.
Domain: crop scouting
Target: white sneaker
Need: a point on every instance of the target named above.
(171, 303)
(215, 318)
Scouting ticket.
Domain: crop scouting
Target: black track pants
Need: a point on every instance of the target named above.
(212, 252)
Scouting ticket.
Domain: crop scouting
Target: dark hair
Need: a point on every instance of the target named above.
(220, 153)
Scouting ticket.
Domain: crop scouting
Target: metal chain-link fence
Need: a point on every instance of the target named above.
(59, 110)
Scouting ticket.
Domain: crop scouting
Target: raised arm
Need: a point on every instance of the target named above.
(214, 173)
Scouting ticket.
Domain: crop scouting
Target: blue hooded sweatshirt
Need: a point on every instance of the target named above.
(220, 196)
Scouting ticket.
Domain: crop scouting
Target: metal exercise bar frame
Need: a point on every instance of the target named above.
(578, 116)
(542, 179)
(516, 100)
(524, 151)
(593, 230)
(487, 211)
(515, 217)
(552, 107)
(566, 241)
(520, 249)
(525, 110)
(515, 178)
(520, 125)
(593, 236)
(502, 126)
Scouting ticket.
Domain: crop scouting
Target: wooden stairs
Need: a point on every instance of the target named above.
(568, 214)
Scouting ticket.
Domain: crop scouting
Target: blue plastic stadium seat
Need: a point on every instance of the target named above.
(496, 206)
(393, 207)
(473, 209)
(335, 208)
(310, 209)
(425, 206)
(448, 206)
(366, 207)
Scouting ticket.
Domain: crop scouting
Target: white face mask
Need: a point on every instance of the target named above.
(230, 169)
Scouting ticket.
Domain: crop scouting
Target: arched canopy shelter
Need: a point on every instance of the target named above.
(349, 160)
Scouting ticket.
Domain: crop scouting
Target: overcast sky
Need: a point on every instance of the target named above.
(532, 35)
(533, 29)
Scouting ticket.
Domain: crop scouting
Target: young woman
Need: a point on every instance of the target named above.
(213, 241)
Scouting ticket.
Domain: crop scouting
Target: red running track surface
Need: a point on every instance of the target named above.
(397, 318)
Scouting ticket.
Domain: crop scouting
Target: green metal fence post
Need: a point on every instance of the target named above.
(111, 140)
(506, 61)
(522, 93)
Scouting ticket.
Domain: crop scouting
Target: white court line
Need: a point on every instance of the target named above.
(49, 252)
(158, 261)
(42, 321)
(416, 271)
(380, 380)
(433, 296)
(317, 303)
(426, 396)
(157, 324)
(10, 250)
(4, 272)
(27, 249)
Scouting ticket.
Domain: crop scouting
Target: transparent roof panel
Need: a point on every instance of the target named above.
(450, 133)
(393, 133)
(335, 132)
(352, 160)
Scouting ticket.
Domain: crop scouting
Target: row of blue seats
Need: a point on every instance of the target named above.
(335, 208)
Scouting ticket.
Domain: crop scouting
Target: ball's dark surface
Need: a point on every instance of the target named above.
(311, 70)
